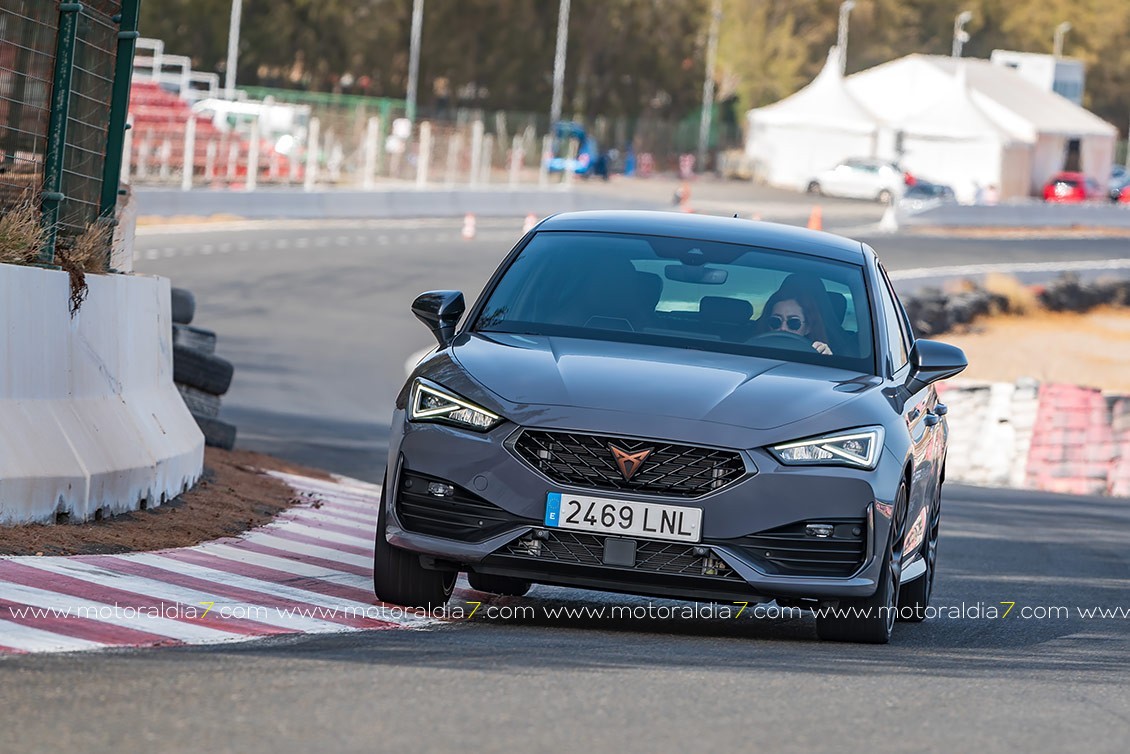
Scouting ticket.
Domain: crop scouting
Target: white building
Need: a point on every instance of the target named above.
(964, 122)
(1064, 76)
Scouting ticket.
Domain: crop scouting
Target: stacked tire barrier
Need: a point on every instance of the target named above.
(200, 375)
(933, 311)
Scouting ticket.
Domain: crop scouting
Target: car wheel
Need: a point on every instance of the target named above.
(914, 597)
(884, 197)
(399, 578)
(871, 620)
(505, 585)
(814, 188)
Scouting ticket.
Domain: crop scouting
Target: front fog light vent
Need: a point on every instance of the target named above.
(439, 489)
(821, 531)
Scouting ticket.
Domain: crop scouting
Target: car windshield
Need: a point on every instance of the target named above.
(686, 294)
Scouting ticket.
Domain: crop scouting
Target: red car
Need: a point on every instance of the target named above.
(1071, 187)
(1124, 197)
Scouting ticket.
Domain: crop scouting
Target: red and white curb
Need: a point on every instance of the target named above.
(307, 572)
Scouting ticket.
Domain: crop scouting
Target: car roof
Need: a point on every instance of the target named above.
(710, 228)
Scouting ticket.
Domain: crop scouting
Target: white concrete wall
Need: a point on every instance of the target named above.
(89, 417)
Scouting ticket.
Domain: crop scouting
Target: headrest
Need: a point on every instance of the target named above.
(723, 309)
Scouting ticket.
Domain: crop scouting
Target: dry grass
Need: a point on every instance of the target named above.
(1081, 349)
(90, 252)
(21, 235)
(1021, 298)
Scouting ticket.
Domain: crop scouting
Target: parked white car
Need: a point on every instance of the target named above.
(862, 178)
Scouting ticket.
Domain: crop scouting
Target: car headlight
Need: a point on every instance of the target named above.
(431, 404)
(857, 447)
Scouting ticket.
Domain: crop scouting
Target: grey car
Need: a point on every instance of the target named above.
(678, 406)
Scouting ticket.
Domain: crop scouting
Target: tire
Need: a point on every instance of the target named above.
(217, 434)
(184, 306)
(199, 402)
(505, 585)
(872, 619)
(196, 338)
(914, 597)
(884, 197)
(398, 576)
(814, 189)
(201, 371)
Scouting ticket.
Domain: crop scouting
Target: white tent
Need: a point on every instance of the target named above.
(953, 141)
(910, 92)
(792, 140)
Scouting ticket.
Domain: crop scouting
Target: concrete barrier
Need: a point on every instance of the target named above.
(270, 204)
(1029, 214)
(90, 423)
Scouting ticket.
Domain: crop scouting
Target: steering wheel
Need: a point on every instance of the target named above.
(783, 339)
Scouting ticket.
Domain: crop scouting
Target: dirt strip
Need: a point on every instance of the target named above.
(232, 497)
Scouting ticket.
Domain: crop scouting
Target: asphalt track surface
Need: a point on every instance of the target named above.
(320, 332)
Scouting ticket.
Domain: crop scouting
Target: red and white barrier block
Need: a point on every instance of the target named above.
(1050, 437)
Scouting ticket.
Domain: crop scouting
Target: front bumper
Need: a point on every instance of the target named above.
(753, 546)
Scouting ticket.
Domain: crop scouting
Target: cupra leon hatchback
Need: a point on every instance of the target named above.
(674, 405)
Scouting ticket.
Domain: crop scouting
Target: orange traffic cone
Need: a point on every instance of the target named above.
(816, 219)
(469, 226)
(531, 221)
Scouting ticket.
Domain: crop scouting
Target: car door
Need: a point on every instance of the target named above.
(837, 180)
(917, 411)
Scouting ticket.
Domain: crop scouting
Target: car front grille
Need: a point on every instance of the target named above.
(463, 515)
(579, 548)
(584, 460)
(791, 551)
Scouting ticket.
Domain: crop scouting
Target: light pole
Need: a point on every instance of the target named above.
(233, 49)
(414, 57)
(708, 83)
(842, 38)
(1060, 33)
(559, 63)
(960, 35)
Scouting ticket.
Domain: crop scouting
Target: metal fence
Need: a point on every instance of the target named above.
(62, 110)
(27, 63)
(183, 136)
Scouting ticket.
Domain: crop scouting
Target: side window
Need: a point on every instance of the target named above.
(892, 321)
(904, 319)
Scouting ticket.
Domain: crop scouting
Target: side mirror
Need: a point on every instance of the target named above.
(440, 311)
(931, 361)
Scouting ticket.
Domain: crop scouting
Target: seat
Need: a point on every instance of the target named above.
(731, 319)
(620, 298)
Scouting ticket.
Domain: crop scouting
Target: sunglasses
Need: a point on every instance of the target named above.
(793, 323)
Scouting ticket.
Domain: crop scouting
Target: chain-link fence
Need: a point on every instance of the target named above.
(88, 117)
(59, 89)
(27, 62)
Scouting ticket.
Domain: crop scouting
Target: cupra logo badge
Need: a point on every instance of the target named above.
(629, 463)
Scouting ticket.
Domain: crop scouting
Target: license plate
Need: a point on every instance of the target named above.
(649, 520)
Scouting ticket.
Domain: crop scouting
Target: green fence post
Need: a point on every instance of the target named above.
(119, 105)
(57, 127)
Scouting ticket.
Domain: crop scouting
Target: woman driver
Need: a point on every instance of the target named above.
(795, 311)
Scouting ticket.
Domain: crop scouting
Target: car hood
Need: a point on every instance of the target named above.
(743, 391)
